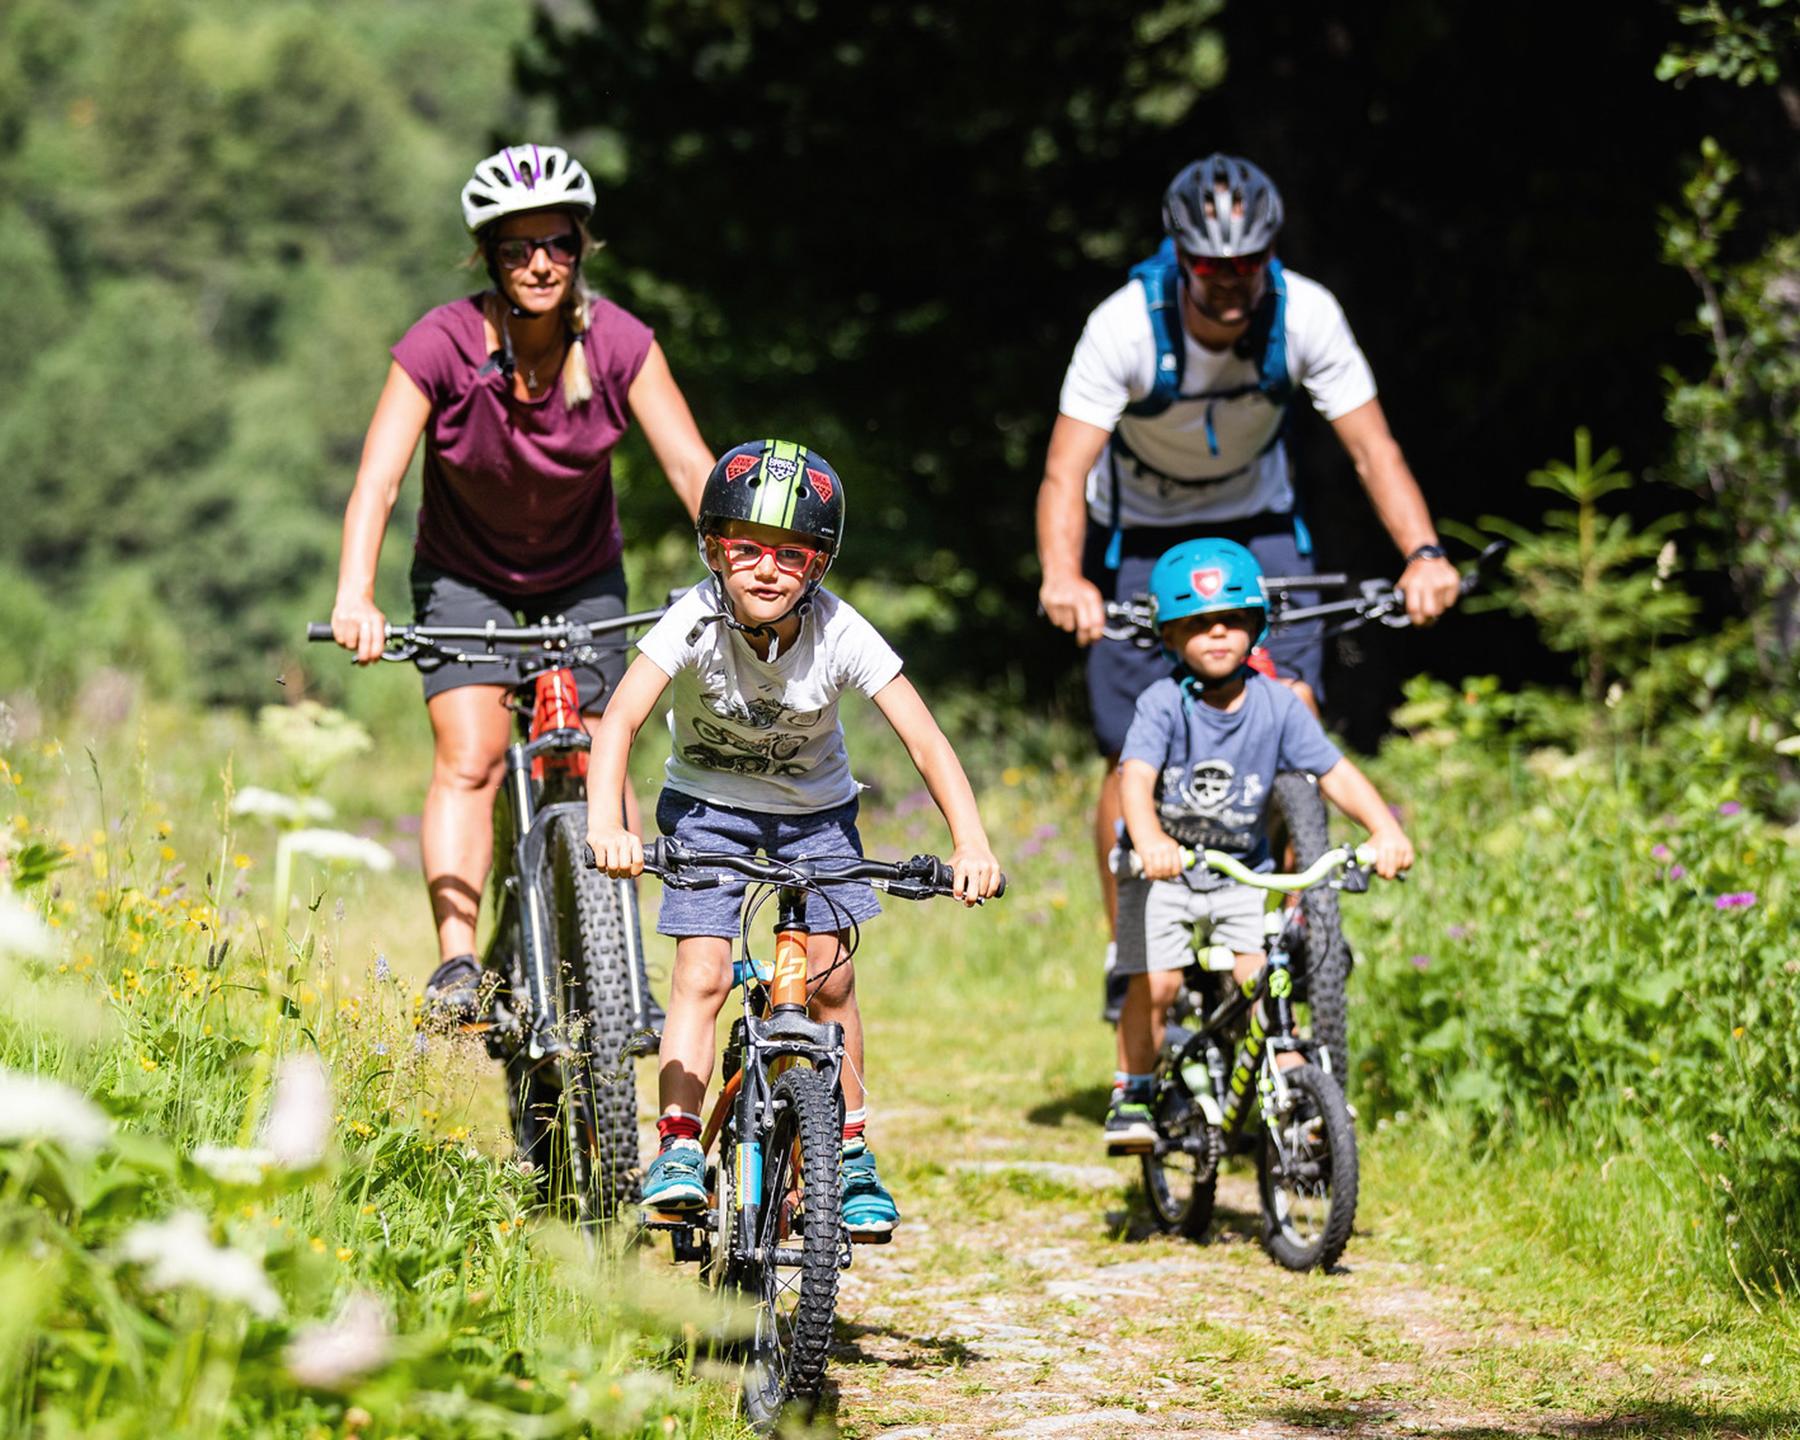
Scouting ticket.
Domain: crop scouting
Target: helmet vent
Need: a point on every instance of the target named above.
(549, 167)
(500, 176)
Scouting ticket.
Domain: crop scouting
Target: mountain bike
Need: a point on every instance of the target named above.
(1220, 1087)
(1297, 822)
(566, 1003)
(771, 1228)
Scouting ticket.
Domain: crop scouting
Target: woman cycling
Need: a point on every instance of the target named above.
(521, 393)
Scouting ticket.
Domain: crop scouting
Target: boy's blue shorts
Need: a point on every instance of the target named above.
(701, 825)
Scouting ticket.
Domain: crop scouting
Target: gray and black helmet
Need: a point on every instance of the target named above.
(1222, 205)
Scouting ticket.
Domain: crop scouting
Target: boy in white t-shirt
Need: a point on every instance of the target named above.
(758, 657)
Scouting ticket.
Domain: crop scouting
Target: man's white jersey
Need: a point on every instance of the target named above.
(1203, 459)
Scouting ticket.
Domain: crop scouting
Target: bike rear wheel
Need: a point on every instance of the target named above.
(1321, 959)
(589, 913)
(1306, 1173)
(1182, 1175)
(792, 1275)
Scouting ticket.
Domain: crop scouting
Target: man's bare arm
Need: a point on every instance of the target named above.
(1431, 586)
(1072, 602)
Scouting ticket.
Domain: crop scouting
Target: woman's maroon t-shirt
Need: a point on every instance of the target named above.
(519, 493)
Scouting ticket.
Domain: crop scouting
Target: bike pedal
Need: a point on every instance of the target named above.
(674, 1219)
(882, 1237)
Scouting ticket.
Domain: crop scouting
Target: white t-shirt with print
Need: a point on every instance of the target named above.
(1115, 364)
(761, 735)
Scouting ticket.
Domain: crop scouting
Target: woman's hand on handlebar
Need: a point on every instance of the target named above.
(616, 850)
(1074, 604)
(360, 627)
(976, 871)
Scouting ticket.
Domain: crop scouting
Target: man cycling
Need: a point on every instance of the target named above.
(1170, 426)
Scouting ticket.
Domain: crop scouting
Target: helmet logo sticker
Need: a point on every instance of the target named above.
(781, 469)
(821, 482)
(1208, 582)
(738, 464)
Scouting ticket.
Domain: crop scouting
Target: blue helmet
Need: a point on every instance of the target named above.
(1198, 577)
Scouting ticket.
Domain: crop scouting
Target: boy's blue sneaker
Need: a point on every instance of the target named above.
(1130, 1127)
(676, 1179)
(868, 1210)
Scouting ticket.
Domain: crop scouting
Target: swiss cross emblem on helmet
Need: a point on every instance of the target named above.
(1208, 582)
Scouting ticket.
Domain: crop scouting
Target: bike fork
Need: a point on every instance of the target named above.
(534, 929)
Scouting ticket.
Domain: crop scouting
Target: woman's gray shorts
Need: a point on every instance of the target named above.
(443, 599)
(701, 825)
(1157, 919)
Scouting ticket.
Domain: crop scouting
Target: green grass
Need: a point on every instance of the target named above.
(1563, 1253)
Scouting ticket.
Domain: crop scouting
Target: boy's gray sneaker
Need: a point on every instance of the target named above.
(1130, 1128)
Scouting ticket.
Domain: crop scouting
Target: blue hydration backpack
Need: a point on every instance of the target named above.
(1159, 276)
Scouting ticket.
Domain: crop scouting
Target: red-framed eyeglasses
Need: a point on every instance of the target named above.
(1207, 266)
(741, 553)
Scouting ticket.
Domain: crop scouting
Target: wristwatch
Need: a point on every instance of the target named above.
(1426, 552)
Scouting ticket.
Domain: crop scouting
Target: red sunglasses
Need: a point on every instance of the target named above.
(744, 554)
(1207, 266)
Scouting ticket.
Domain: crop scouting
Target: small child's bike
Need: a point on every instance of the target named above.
(771, 1227)
(1221, 1088)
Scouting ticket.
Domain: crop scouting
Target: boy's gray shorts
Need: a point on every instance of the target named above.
(701, 825)
(1156, 920)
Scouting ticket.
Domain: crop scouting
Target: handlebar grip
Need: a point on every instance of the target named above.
(318, 630)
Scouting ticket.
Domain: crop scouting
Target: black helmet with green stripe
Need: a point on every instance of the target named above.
(779, 484)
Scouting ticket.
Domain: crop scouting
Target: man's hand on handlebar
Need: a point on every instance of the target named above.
(616, 850)
(1074, 604)
(1431, 587)
(360, 627)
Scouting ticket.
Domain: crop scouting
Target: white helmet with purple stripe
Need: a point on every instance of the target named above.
(526, 177)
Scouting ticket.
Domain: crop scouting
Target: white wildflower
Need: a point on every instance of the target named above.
(33, 1108)
(179, 1252)
(232, 1166)
(1665, 560)
(339, 847)
(21, 931)
(300, 1114)
(1615, 692)
(285, 809)
(356, 1341)
(1789, 746)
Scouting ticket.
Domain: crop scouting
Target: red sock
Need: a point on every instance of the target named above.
(678, 1126)
(854, 1121)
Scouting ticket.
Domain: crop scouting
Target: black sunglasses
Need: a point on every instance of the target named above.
(515, 253)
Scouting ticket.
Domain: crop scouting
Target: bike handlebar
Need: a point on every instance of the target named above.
(919, 878)
(1130, 864)
(404, 642)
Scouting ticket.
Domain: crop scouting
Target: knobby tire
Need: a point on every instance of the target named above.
(1324, 1164)
(1180, 1186)
(787, 1369)
(1321, 962)
(588, 917)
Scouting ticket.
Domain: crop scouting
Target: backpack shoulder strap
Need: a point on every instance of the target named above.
(1162, 297)
(1273, 378)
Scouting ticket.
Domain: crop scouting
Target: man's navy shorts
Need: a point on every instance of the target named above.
(1118, 671)
(440, 598)
(701, 825)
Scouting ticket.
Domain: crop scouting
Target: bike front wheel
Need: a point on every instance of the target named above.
(1306, 1173)
(589, 913)
(792, 1272)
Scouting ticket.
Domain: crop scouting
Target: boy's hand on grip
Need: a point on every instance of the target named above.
(616, 850)
(977, 873)
(1161, 857)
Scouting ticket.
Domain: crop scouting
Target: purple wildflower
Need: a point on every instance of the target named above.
(383, 971)
(1735, 900)
(1677, 871)
(420, 1043)
(1028, 848)
(1421, 962)
(1046, 831)
(1660, 852)
(1460, 932)
(1730, 807)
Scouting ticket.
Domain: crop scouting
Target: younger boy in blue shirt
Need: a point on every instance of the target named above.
(1203, 749)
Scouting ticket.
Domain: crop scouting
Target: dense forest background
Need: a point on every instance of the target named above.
(878, 227)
